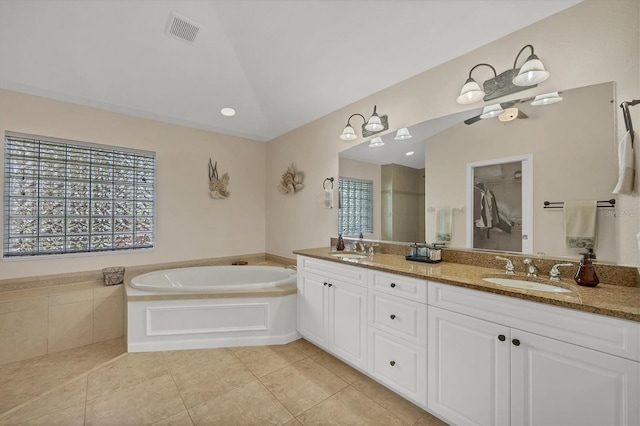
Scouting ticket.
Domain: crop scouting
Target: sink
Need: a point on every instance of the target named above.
(349, 255)
(527, 285)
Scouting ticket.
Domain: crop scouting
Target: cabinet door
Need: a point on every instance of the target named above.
(468, 369)
(348, 321)
(313, 308)
(557, 383)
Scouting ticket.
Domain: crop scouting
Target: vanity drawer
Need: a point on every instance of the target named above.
(399, 317)
(399, 365)
(398, 285)
(335, 270)
(606, 334)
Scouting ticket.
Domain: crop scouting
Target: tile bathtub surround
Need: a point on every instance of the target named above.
(297, 383)
(627, 276)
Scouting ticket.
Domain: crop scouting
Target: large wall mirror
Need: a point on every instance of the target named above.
(573, 150)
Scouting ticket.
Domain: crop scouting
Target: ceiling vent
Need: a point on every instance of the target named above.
(182, 28)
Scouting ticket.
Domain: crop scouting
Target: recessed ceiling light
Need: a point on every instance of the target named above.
(228, 112)
(409, 153)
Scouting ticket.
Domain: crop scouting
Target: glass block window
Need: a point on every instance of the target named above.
(355, 214)
(73, 197)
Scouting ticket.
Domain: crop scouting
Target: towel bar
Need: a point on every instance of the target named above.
(548, 204)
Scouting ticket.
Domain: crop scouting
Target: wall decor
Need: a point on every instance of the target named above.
(217, 186)
(291, 180)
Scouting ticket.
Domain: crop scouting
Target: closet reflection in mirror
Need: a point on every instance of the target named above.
(574, 158)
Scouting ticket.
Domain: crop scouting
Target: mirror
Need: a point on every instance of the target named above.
(573, 149)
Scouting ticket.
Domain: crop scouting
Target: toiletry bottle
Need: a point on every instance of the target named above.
(586, 274)
(340, 245)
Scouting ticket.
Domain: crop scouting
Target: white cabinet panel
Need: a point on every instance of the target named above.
(348, 322)
(313, 308)
(401, 317)
(556, 383)
(468, 369)
(398, 285)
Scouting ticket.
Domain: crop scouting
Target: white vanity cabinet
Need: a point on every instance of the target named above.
(397, 333)
(332, 308)
(499, 360)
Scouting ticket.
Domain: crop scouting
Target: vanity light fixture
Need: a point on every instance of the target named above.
(491, 111)
(375, 124)
(376, 142)
(511, 81)
(402, 134)
(547, 99)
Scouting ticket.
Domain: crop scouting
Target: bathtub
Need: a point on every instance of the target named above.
(211, 307)
(214, 278)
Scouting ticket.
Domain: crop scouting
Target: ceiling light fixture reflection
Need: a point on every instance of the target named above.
(376, 142)
(546, 99)
(491, 111)
(228, 112)
(409, 153)
(402, 134)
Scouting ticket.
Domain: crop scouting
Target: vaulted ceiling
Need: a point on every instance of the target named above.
(279, 63)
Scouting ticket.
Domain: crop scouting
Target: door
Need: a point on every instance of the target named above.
(557, 383)
(313, 308)
(468, 369)
(348, 321)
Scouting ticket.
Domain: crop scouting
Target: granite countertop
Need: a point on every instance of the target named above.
(605, 299)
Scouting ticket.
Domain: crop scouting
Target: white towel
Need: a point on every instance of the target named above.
(626, 166)
(444, 220)
(328, 198)
(580, 223)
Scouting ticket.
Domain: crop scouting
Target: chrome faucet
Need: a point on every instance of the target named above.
(554, 274)
(531, 268)
(508, 267)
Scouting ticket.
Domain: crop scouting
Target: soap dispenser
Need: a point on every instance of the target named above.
(586, 275)
(340, 245)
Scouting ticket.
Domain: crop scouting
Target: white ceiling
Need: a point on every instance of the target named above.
(279, 63)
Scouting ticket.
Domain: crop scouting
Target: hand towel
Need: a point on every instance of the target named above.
(626, 166)
(444, 222)
(580, 223)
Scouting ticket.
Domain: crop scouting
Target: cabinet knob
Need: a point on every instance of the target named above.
(501, 338)
(392, 363)
(393, 317)
(330, 285)
(393, 285)
(326, 283)
(516, 342)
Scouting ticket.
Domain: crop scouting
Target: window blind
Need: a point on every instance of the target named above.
(355, 214)
(71, 197)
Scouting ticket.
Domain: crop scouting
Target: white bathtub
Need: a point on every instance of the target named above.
(211, 307)
(214, 278)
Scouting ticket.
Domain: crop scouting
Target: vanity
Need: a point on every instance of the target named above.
(471, 351)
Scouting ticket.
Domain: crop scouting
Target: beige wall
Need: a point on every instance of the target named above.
(592, 42)
(189, 224)
(366, 171)
(402, 203)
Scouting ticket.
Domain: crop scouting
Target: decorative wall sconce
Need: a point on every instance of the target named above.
(511, 81)
(375, 124)
(291, 180)
(217, 186)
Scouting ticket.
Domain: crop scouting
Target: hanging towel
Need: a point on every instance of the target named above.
(580, 223)
(444, 221)
(626, 166)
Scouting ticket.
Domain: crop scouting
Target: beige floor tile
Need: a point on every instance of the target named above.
(302, 385)
(337, 367)
(127, 371)
(70, 416)
(304, 346)
(189, 359)
(293, 422)
(180, 419)
(349, 407)
(202, 381)
(251, 404)
(67, 396)
(396, 404)
(262, 360)
(429, 420)
(145, 403)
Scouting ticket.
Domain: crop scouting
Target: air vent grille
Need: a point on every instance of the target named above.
(182, 28)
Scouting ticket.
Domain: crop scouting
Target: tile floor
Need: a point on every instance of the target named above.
(291, 384)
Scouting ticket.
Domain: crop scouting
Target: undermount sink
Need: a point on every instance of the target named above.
(349, 255)
(527, 285)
